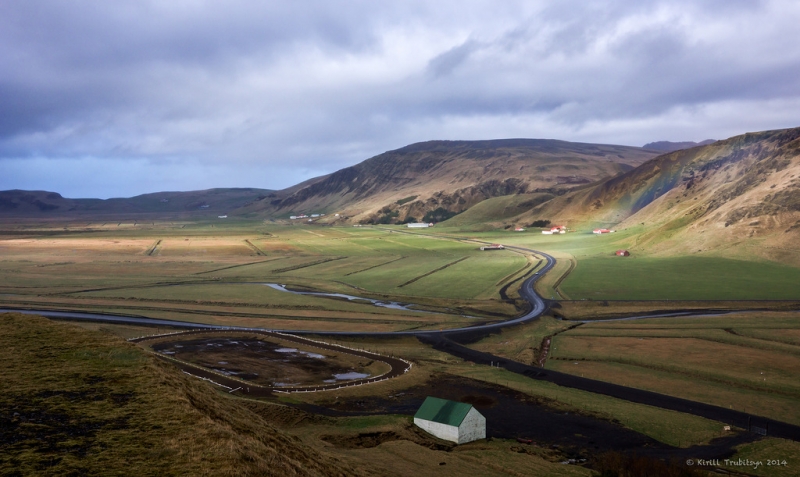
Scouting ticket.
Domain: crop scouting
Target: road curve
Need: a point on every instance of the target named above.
(527, 292)
(440, 339)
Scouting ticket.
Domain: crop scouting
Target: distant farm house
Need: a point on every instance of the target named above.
(602, 231)
(418, 225)
(558, 229)
(222, 216)
(494, 246)
(519, 229)
(449, 420)
(623, 253)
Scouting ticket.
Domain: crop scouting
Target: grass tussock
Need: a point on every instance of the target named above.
(77, 402)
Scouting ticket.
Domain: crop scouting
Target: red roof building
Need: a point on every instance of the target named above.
(623, 253)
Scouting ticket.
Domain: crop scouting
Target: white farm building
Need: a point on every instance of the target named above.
(450, 420)
(416, 225)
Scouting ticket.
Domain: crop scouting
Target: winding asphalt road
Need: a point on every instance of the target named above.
(441, 340)
(527, 291)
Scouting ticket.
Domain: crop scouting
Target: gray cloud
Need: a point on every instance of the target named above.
(289, 90)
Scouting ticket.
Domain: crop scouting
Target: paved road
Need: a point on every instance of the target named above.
(538, 307)
(441, 340)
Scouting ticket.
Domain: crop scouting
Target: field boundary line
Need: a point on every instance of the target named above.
(557, 285)
(306, 265)
(153, 248)
(511, 275)
(375, 266)
(257, 250)
(432, 272)
(684, 372)
(240, 265)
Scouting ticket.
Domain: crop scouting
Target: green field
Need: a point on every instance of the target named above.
(717, 360)
(600, 275)
(681, 278)
(212, 271)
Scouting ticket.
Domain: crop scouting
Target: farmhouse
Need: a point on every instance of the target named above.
(558, 229)
(418, 225)
(494, 246)
(623, 253)
(519, 229)
(449, 420)
(602, 231)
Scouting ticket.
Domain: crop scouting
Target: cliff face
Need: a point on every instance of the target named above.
(454, 175)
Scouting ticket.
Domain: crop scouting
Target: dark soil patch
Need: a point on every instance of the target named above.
(261, 362)
(364, 440)
(367, 440)
(512, 415)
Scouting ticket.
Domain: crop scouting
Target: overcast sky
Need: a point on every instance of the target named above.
(113, 99)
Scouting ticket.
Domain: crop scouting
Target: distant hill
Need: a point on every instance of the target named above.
(414, 180)
(668, 146)
(740, 194)
(209, 202)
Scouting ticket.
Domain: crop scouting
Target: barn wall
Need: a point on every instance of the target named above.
(472, 428)
(442, 431)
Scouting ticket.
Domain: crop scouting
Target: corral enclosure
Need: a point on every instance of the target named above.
(268, 362)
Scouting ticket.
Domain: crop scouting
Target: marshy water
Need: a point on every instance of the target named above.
(264, 362)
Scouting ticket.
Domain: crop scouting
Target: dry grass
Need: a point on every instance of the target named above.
(670, 427)
(80, 402)
(739, 361)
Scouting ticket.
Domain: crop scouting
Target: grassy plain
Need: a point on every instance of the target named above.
(600, 275)
(717, 360)
(109, 408)
(213, 271)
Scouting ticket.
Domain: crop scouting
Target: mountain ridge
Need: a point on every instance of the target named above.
(452, 175)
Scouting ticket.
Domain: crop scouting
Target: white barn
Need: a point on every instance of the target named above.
(450, 420)
(416, 225)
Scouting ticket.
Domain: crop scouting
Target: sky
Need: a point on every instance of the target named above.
(114, 99)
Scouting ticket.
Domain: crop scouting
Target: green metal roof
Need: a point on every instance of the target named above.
(443, 411)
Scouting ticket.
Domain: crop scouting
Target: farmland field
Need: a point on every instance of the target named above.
(732, 361)
(219, 273)
(599, 275)
(216, 271)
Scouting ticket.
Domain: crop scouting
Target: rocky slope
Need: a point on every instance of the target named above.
(452, 175)
(742, 193)
(669, 146)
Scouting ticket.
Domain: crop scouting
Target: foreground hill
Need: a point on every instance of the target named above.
(79, 402)
(452, 175)
(742, 193)
(211, 202)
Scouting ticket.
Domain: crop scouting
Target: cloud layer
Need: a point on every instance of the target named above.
(149, 96)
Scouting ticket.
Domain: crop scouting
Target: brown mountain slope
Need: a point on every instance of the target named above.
(742, 193)
(669, 146)
(453, 175)
(211, 202)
